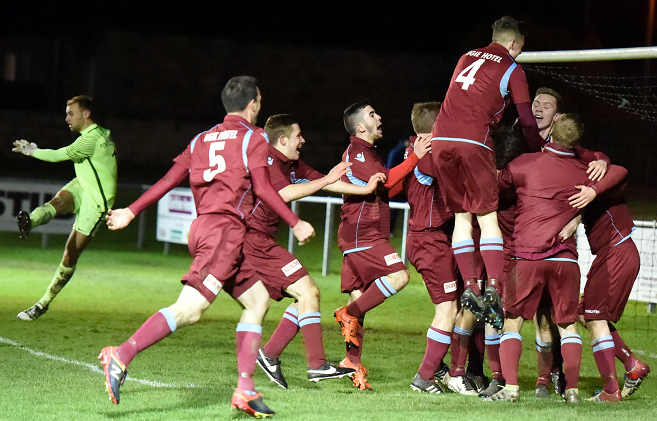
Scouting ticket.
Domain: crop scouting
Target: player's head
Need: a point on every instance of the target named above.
(509, 32)
(567, 130)
(546, 107)
(79, 113)
(424, 115)
(508, 145)
(284, 134)
(362, 121)
(240, 93)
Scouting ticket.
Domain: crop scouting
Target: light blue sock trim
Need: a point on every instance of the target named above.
(171, 319)
(385, 287)
(492, 339)
(439, 337)
(461, 331)
(604, 342)
(571, 339)
(510, 335)
(249, 327)
(310, 318)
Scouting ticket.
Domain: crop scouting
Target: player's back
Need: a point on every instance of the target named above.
(428, 210)
(219, 161)
(477, 94)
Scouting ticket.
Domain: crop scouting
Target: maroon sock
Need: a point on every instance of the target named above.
(354, 352)
(571, 350)
(285, 331)
(493, 353)
(604, 355)
(460, 344)
(510, 352)
(247, 341)
(465, 258)
(311, 329)
(493, 254)
(623, 352)
(156, 328)
(545, 361)
(476, 352)
(374, 295)
(437, 345)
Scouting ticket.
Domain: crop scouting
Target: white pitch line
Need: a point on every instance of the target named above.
(92, 367)
(646, 353)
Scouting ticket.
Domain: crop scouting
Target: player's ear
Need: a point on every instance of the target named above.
(360, 128)
(282, 140)
(86, 114)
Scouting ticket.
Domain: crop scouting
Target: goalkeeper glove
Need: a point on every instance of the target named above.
(24, 147)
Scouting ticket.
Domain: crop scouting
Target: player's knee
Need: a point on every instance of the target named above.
(398, 280)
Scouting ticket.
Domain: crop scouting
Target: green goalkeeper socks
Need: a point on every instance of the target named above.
(62, 276)
(42, 215)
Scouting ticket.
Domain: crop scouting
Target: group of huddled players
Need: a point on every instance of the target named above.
(529, 186)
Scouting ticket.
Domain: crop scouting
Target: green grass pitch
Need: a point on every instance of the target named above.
(49, 369)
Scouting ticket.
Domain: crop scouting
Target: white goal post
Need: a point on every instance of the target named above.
(635, 53)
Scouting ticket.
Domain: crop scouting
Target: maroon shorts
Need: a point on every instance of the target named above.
(267, 261)
(361, 268)
(467, 176)
(527, 280)
(609, 282)
(430, 252)
(215, 243)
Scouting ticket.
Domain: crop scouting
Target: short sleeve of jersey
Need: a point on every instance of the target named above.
(518, 86)
(257, 150)
(185, 157)
(367, 167)
(307, 173)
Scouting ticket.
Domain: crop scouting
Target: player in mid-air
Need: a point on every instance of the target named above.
(89, 195)
(282, 274)
(484, 81)
(372, 270)
(226, 165)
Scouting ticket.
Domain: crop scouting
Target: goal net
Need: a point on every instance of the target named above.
(614, 91)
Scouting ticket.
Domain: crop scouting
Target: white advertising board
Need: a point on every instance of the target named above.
(17, 195)
(175, 213)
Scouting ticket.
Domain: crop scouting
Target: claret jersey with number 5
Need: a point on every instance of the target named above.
(483, 83)
(219, 161)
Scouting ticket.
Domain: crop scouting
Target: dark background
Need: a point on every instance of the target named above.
(156, 70)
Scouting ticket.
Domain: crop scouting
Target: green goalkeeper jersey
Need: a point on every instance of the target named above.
(94, 156)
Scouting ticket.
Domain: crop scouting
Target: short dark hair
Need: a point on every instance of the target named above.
(424, 115)
(567, 130)
(238, 92)
(509, 145)
(279, 125)
(352, 114)
(507, 29)
(549, 91)
(83, 102)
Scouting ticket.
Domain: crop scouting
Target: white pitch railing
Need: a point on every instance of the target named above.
(328, 225)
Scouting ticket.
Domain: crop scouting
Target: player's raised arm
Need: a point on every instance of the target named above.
(297, 191)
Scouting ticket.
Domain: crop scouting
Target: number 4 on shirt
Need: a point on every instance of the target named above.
(467, 76)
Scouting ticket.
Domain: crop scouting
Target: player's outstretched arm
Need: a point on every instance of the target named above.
(265, 191)
(24, 147)
(297, 191)
(341, 187)
(119, 218)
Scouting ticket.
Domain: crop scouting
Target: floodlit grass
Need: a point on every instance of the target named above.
(50, 371)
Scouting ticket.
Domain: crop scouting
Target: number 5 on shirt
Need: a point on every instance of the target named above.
(216, 160)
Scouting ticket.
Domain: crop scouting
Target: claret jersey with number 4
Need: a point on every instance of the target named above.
(219, 161)
(483, 82)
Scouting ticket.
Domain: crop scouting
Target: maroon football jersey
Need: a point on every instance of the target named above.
(478, 93)
(607, 220)
(219, 161)
(543, 181)
(282, 173)
(423, 194)
(365, 220)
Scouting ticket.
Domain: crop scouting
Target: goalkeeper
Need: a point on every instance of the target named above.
(89, 195)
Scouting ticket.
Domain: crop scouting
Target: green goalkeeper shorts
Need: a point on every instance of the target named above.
(90, 215)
